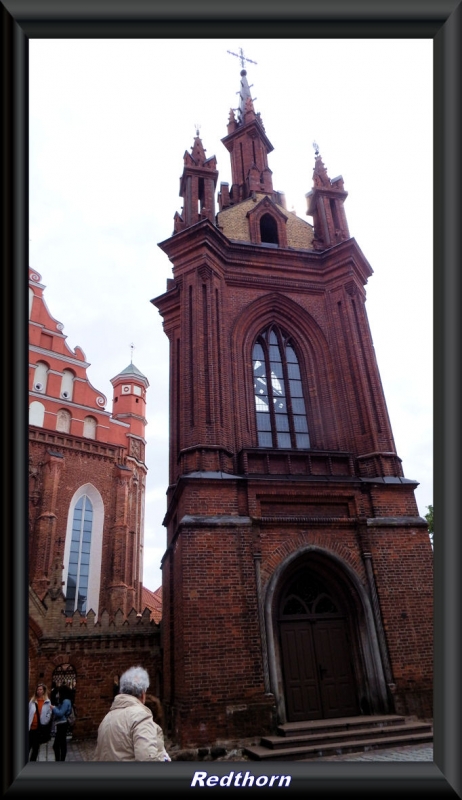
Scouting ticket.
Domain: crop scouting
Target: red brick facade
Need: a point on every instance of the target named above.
(297, 577)
(297, 581)
(79, 452)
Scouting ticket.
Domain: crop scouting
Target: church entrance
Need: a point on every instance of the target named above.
(318, 675)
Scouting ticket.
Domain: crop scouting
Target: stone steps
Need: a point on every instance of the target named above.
(340, 724)
(320, 738)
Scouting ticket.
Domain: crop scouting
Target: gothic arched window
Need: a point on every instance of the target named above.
(279, 404)
(79, 557)
(83, 551)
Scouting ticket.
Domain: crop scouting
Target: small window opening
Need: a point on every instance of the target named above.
(201, 195)
(335, 217)
(269, 229)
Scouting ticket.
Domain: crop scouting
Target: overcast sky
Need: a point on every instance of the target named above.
(110, 121)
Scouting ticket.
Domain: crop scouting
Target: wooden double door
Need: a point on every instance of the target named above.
(316, 656)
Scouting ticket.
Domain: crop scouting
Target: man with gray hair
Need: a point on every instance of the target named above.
(128, 732)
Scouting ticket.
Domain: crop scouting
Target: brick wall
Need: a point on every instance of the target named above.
(97, 650)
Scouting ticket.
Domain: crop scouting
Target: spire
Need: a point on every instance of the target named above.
(197, 150)
(245, 98)
(325, 205)
(320, 176)
(248, 145)
(197, 186)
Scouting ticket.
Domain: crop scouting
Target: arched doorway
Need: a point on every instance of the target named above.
(65, 674)
(317, 668)
(323, 655)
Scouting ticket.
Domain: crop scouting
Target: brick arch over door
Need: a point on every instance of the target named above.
(315, 366)
(352, 622)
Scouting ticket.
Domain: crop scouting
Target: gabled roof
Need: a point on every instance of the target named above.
(153, 602)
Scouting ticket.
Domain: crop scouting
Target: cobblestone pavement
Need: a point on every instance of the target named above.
(77, 750)
(83, 750)
(419, 752)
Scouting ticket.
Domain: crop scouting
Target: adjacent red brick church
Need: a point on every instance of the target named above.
(297, 579)
(90, 617)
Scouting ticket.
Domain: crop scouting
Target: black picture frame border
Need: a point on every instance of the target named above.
(440, 20)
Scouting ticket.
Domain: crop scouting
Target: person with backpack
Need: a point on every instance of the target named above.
(39, 719)
(61, 712)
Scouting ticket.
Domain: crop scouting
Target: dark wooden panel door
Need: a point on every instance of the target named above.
(301, 678)
(336, 682)
(318, 679)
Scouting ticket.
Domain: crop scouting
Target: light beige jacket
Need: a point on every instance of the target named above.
(129, 733)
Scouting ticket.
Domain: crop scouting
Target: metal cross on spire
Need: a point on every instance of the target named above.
(132, 347)
(241, 56)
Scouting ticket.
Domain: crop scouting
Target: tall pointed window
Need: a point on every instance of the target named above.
(79, 557)
(83, 550)
(279, 403)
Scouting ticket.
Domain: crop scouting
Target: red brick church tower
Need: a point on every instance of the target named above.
(297, 580)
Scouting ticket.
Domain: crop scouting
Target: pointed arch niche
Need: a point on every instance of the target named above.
(314, 600)
(83, 551)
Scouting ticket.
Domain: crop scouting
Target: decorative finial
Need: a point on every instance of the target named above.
(132, 347)
(241, 56)
(197, 127)
(316, 148)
